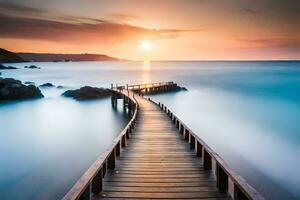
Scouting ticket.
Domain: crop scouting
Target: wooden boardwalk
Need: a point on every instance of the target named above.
(157, 163)
(157, 156)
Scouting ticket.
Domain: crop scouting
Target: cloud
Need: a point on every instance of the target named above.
(278, 42)
(80, 30)
(123, 16)
(19, 10)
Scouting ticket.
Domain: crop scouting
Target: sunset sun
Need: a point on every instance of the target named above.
(146, 45)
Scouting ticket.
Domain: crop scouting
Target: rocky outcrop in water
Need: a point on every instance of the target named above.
(11, 89)
(88, 92)
(9, 67)
(45, 85)
(32, 67)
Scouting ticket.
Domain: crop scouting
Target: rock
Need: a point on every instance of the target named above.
(11, 89)
(60, 87)
(29, 83)
(32, 67)
(88, 92)
(47, 85)
(184, 89)
(9, 67)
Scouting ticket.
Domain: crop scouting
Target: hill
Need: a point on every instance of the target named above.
(8, 56)
(47, 57)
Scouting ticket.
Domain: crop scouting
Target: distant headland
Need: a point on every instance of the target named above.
(11, 57)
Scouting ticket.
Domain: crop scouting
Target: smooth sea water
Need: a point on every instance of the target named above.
(248, 112)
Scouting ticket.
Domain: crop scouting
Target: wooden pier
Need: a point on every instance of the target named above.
(157, 156)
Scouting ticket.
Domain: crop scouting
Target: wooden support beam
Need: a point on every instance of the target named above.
(199, 149)
(118, 150)
(111, 161)
(123, 141)
(97, 182)
(104, 167)
(222, 178)
(207, 160)
(86, 195)
(186, 135)
(192, 142)
(238, 194)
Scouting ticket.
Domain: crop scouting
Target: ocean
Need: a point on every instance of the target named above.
(248, 112)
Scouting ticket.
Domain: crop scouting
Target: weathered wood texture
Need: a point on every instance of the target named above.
(158, 163)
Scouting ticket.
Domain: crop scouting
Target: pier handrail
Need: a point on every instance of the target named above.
(142, 86)
(91, 180)
(224, 174)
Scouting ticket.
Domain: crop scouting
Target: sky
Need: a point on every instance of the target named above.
(173, 29)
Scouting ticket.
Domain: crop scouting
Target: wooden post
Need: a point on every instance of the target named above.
(118, 149)
(177, 124)
(207, 160)
(97, 184)
(111, 161)
(238, 194)
(123, 141)
(186, 135)
(192, 142)
(222, 178)
(127, 134)
(86, 194)
(199, 149)
(104, 166)
(182, 129)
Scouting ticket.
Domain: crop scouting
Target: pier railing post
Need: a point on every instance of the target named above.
(104, 167)
(238, 194)
(222, 178)
(186, 135)
(181, 129)
(192, 142)
(97, 183)
(123, 141)
(206, 160)
(127, 134)
(86, 194)
(199, 149)
(118, 150)
(111, 161)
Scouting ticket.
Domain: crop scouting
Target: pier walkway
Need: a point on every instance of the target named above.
(158, 163)
(158, 157)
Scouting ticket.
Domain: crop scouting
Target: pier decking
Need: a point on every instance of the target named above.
(158, 157)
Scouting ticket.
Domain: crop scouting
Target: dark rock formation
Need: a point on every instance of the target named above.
(183, 88)
(9, 67)
(11, 89)
(60, 87)
(47, 85)
(32, 67)
(29, 83)
(88, 92)
(7, 56)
